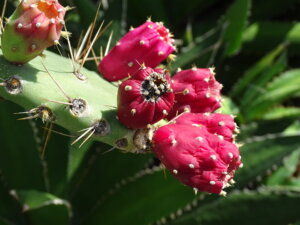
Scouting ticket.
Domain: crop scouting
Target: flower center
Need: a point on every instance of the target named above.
(154, 86)
(48, 8)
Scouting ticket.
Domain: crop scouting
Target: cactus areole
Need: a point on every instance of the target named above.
(145, 98)
(34, 26)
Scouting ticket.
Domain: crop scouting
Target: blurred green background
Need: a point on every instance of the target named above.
(255, 47)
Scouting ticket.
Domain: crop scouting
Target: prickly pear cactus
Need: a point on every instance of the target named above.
(197, 140)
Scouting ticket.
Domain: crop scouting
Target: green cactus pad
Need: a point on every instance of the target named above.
(38, 87)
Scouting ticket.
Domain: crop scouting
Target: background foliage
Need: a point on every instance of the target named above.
(255, 47)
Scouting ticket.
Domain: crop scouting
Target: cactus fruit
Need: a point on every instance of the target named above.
(218, 124)
(196, 90)
(145, 98)
(197, 157)
(33, 27)
(148, 44)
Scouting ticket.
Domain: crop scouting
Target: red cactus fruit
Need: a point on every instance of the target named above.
(221, 125)
(196, 157)
(34, 26)
(196, 90)
(148, 44)
(145, 98)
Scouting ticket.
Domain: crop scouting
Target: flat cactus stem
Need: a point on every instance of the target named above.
(38, 88)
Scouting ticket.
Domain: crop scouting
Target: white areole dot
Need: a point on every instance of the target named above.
(191, 166)
(212, 182)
